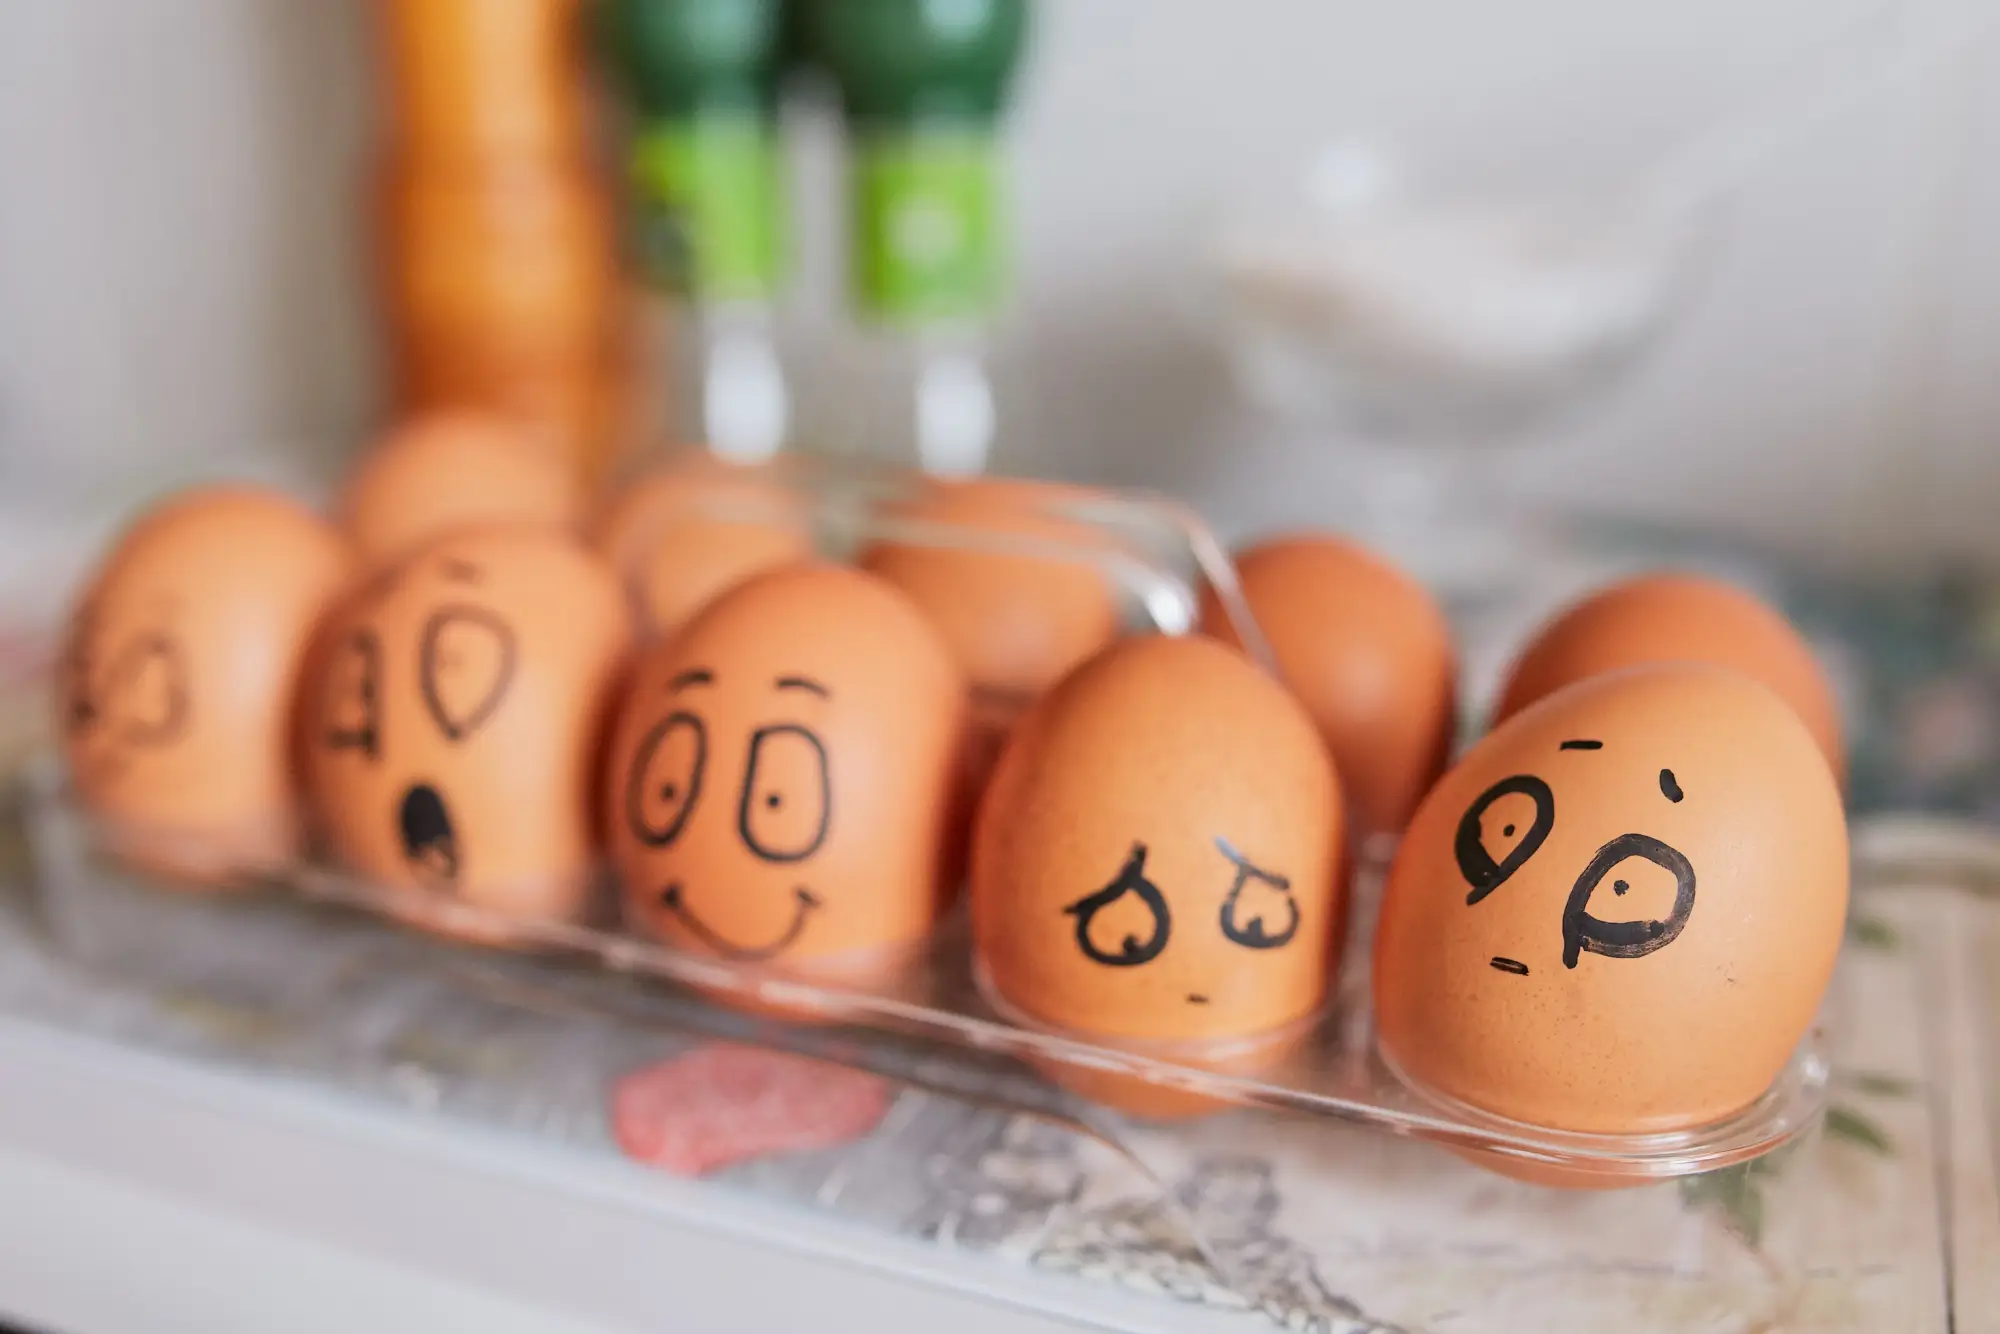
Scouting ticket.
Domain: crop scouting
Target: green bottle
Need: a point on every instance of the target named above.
(701, 80)
(923, 84)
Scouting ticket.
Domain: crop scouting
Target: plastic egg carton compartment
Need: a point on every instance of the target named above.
(873, 1012)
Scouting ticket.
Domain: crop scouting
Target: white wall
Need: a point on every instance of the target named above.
(180, 266)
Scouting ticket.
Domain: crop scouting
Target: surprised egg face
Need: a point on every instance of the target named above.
(457, 716)
(1621, 909)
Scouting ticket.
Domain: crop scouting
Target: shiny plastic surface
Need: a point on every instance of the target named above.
(852, 1010)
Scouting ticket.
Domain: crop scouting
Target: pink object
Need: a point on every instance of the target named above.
(723, 1103)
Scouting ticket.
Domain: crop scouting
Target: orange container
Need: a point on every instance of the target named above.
(483, 78)
(497, 267)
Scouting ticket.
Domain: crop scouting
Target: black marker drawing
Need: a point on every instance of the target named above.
(459, 703)
(665, 779)
(1581, 745)
(787, 745)
(1669, 787)
(1476, 864)
(693, 676)
(805, 683)
(804, 901)
(1507, 965)
(429, 842)
(80, 710)
(1131, 879)
(145, 693)
(364, 733)
(1253, 935)
(1625, 940)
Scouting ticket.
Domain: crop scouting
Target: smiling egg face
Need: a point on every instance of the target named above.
(457, 711)
(781, 783)
(1156, 853)
(1620, 911)
(180, 675)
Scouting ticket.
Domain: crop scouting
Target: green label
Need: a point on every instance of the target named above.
(927, 230)
(706, 204)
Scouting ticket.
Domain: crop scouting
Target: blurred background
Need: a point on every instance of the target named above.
(185, 274)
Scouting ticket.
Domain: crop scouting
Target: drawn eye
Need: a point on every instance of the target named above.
(1243, 921)
(1115, 909)
(1512, 818)
(353, 695)
(79, 709)
(1634, 897)
(787, 795)
(145, 696)
(665, 780)
(465, 662)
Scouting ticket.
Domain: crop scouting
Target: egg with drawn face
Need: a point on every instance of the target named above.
(1156, 855)
(781, 780)
(1620, 911)
(180, 673)
(456, 720)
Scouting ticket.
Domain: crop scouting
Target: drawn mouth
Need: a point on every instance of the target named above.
(804, 902)
(1507, 965)
(429, 843)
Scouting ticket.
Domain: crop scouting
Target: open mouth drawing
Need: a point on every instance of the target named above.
(429, 843)
(804, 902)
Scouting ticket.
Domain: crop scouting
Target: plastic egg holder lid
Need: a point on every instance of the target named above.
(930, 992)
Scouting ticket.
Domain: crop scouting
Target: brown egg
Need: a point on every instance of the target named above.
(684, 535)
(1017, 622)
(1618, 913)
(1368, 652)
(458, 709)
(779, 784)
(181, 670)
(1677, 618)
(450, 470)
(1156, 854)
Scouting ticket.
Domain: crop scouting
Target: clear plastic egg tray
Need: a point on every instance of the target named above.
(925, 1010)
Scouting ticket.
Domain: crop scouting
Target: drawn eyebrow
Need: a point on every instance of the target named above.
(805, 683)
(1581, 745)
(463, 571)
(693, 676)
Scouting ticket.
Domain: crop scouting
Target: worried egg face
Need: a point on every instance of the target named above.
(781, 782)
(457, 713)
(1156, 853)
(1620, 911)
(180, 674)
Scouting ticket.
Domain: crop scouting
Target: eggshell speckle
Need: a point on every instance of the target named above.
(1368, 652)
(1156, 855)
(457, 706)
(181, 671)
(779, 789)
(1677, 618)
(1619, 912)
(685, 535)
(451, 470)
